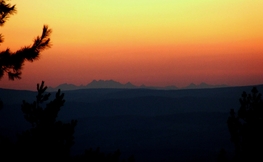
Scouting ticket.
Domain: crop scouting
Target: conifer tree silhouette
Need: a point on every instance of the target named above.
(246, 128)
(48, 138)
(12, 62)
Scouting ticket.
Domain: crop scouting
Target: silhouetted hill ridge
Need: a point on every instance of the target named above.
(96, 84)
(204, 85)
(108, 84)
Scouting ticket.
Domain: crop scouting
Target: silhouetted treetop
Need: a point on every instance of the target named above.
(246, 128)
(12, 62)
(48, 138)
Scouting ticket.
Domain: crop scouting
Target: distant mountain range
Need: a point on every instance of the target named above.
(116, 85)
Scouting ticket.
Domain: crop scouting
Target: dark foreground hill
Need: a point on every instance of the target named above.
(153, 125)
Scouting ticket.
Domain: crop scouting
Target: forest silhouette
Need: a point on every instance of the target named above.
(49, 138)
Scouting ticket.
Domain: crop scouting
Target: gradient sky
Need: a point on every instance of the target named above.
(151, 42)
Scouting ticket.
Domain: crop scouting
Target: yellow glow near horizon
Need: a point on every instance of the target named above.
(115, 21)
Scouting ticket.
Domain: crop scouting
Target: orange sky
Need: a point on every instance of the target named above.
(151, 42)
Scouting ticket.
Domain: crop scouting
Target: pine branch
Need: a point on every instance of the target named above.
(5, 11)
(12, 63)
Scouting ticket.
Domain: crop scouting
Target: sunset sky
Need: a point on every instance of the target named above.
(151, 42)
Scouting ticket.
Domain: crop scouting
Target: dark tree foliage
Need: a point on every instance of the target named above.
(246, 128)
(48, 138)
(6, 10)
(12, 62)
